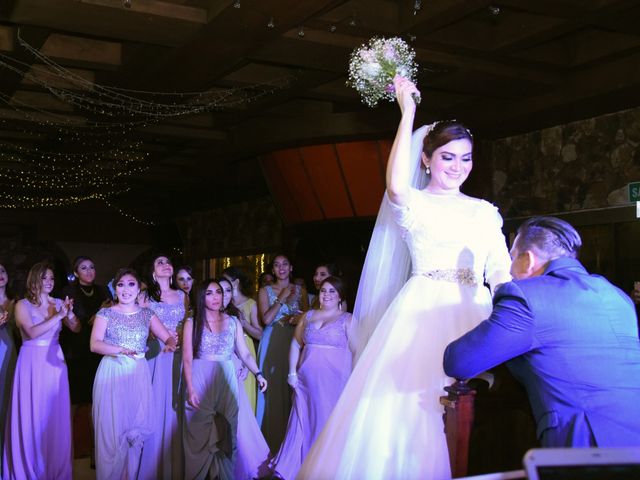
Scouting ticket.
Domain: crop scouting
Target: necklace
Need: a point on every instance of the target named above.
(87, 293)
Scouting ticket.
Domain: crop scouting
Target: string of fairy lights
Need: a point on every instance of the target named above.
(89, 153)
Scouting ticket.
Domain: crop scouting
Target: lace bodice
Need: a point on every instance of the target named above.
(454, 232)
(219, 344)
(170, 314)
(127, 330)
(285, 309)
(333, 334)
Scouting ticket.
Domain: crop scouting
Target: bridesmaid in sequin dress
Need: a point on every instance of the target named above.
(162, 456)
(252, 459)
(322, 372)
(8, 352)
(278, 306)
(211, 411)
(122, 400)
(38, 432)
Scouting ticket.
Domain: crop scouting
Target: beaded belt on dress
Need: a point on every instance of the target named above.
(136, 356)
(215, 358)
(462, 276)
(40, 342)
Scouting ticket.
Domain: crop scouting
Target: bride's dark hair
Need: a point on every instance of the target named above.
(443, 133)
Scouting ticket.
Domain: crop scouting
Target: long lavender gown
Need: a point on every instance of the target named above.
(8, 356)
(323, 371)
(210, 431)
(38, 431)
(252, 452)
(122, 397)
(274, 406)
(162, 456)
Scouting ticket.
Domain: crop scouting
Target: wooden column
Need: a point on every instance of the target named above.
(458, 421)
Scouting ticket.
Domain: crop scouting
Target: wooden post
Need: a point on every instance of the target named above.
(458, 421)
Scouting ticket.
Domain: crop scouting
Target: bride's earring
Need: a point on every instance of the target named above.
(428, 170)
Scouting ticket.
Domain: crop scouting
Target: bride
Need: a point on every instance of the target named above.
(423, 285)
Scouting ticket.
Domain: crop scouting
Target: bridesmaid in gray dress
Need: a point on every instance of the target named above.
(122, 403)
(211, 410)
(278, 307)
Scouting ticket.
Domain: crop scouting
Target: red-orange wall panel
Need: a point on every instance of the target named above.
(360, 163)
(290, 165)
(326, 177)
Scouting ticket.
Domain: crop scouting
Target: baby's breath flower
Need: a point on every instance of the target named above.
(373, 66)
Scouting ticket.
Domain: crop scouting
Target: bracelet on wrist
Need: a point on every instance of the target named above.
(292, 375)
(258, 373)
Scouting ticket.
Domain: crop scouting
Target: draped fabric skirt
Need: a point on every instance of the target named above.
(38, 431)
(322, 375)
(388, 422)
(162, 456)
(274, 405)
(122, 415)
(210, 431)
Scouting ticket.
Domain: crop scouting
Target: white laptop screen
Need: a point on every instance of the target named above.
(582, 463)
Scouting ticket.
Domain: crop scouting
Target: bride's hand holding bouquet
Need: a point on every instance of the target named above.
(406, 92)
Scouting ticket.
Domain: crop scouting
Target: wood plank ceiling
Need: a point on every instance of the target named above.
(273, 73)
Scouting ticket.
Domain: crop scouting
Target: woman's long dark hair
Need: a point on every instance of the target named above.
(244, 284)
(8, 291)
(200, 313)
(153, 287)
(230, 309)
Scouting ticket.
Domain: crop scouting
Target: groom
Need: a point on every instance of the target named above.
(571, 338)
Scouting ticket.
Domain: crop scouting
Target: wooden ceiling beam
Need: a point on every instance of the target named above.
(11, 79)
(605, 10)
(446, 56)
(436, 15)
(580, 89)
(226, 40)
(159, 9)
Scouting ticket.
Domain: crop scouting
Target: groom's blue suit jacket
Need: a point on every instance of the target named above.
(572, 339)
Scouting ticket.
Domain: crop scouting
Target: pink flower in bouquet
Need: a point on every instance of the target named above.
(373, 66)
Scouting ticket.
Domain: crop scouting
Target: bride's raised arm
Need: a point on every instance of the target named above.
(399, 168)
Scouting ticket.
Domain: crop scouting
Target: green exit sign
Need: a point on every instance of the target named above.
(634, 192)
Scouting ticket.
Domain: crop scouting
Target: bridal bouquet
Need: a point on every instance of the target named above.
(373, 66)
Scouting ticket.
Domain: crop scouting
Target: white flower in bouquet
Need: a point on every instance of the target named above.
(373, 66)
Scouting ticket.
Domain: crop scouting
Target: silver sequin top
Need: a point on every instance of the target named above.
(219, 344)
(127, 330)
(170, 314)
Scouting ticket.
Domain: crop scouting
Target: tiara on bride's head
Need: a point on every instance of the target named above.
(451, 120)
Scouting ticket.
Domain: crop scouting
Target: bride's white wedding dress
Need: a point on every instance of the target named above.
(388, 422)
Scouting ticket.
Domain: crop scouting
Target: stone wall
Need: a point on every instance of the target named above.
(247, 227)
(581, 165)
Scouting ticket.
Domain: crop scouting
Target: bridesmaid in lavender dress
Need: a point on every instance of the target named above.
(162, 456)
(38, 432)
(8, 352)
(322, 372)
(122, 398)
(211, 411)
(253, 453)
